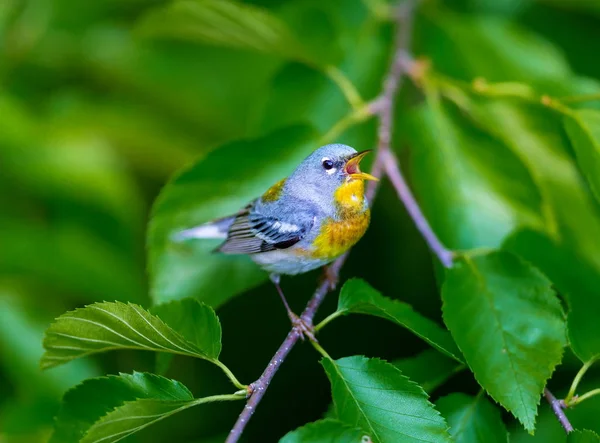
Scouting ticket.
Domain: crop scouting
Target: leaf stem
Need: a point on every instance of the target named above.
(328, 319)
(229, 374)
(577, 380)
(222, 397)
(578, 399)
(346, 86)
(321, 351)
(581, 98)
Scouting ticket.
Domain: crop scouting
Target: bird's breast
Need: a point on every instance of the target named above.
(337, 236)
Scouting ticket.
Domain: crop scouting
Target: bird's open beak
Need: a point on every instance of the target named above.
(353, 170)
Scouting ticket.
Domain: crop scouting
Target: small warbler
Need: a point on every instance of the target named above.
(302, 222)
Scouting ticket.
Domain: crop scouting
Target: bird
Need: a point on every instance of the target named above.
(302, 222)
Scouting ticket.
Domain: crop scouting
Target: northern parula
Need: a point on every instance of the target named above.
(301, 222)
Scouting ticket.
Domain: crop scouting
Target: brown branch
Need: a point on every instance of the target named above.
(558, 406)
(383, 107)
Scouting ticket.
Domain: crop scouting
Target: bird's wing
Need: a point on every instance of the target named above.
(253, 231)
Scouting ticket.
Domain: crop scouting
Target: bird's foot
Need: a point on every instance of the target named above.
(305, 328)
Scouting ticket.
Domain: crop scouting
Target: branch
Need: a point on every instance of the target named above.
(558, 407)
(383, 107)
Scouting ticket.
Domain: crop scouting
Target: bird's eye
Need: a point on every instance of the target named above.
(327, 164)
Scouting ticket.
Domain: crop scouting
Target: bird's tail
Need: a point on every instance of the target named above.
(213, 229)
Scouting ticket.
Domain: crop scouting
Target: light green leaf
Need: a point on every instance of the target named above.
(325, 431)
(358, 297)
(375, 396)
(472, 188)
(224, 23)
(583, 436)
(66, 256)
(108, 326)
(472, 419)
(467, 46)
(430, 369)
(509, 325)
(21, 348)
(121, 406)
(583, 128)
(218, 185)
(55, 161)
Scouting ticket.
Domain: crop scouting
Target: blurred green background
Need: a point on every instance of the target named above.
(96, 115)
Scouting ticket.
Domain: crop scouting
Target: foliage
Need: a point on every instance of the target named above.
(123, 122)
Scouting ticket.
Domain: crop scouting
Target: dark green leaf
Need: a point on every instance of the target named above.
(387, 406)
(472, 419)
(107, 326)
(324, 431)
(190, 318)
(92, 400)
(197, 323)
(358, 297)
(429, 369)
(578, 283)
(509, 325)
(224, 23)
(218, 185)
(583, 128)
(583, 436)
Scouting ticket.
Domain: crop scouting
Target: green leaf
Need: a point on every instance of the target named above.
(218, 185)
(472, 419)
(583, 128)
(324, 431)
(467, 46)
(509, 325)
(571, 227)
(472, 188)
(430, 369)
(104, 398)
(190, 318)
(66, 256)
(358, 297)
(196, 322)
(578, 283)
(108, 326)
(583, 436)
(54, 161)
(375, 396)
(224, 23)
(133, 416)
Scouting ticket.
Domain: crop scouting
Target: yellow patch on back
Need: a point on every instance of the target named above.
(274, 192)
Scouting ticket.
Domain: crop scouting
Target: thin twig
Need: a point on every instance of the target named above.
(558, 407)
(383, 107)
(392, 168)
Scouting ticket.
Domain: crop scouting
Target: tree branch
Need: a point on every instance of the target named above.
(383, 107)
(558, 407)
